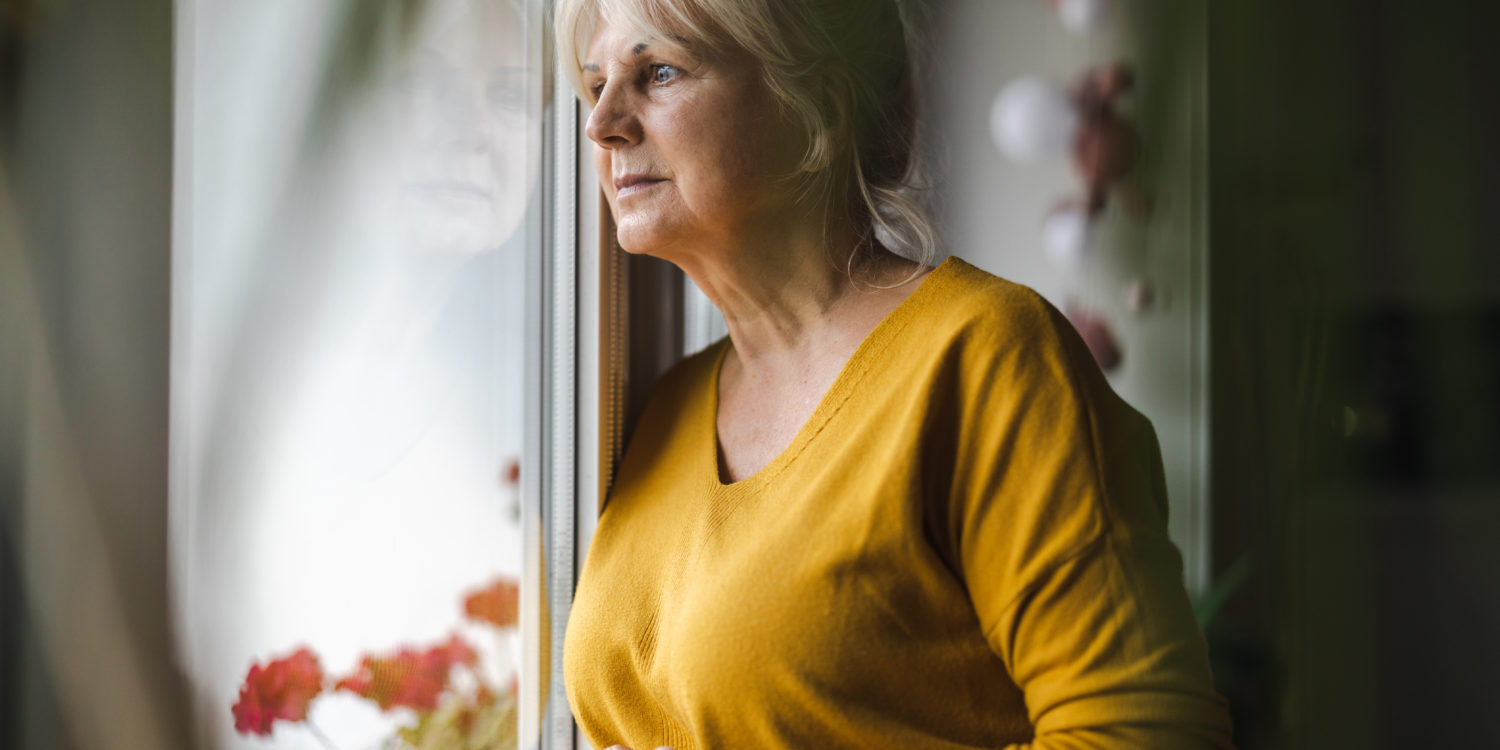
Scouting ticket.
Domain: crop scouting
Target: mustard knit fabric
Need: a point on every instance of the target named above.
(964, 547)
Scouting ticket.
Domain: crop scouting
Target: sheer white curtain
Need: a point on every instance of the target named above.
(349, 327)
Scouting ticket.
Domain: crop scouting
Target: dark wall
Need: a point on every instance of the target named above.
(1355, 286)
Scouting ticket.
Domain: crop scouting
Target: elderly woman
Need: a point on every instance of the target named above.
(898, 507)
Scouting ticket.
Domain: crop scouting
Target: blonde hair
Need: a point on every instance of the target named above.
(841, 69)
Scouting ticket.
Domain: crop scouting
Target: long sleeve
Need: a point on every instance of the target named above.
(1061, 528)
(1107, 654)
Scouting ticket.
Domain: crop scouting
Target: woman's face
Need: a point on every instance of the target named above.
(689, 151)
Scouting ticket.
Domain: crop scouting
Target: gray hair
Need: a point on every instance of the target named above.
(841, 69)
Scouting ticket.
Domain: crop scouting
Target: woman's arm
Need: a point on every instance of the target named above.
(1058, 522)
(1108, 654)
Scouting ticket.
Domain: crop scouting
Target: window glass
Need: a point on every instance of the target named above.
(351, 308)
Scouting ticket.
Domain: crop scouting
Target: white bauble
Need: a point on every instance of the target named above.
(1067, 232)
(1033, 120)
(1081, 16)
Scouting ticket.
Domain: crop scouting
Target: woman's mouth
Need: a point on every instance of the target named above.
(630, 184)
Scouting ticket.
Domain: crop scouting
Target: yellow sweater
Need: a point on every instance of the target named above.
(964, 547)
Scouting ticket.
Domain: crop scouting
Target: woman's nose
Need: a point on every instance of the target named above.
(613, 122)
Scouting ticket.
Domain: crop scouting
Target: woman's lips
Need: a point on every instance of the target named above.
(631, 184)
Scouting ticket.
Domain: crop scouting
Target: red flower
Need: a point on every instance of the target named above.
(495, 604)
(410, 678)
(279, 690)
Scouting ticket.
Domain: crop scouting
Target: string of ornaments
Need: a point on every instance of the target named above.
(1034, 121)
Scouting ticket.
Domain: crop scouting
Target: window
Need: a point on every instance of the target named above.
(363, 300)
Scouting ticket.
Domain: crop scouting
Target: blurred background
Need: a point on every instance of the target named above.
(230, 231)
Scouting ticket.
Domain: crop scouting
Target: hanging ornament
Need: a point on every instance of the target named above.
(1081, 16)
(1067, 233)
(1105, 146)
(1140, 296)
(1104, 152)
(1102, 84)
(1137, 202)
(1096, 334)
(1033, 120)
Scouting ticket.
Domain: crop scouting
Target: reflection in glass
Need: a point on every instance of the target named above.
(348, 405)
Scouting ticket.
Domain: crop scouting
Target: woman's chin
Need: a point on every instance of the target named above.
(638, 237)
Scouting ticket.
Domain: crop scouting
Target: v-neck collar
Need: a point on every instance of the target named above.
(865, 355)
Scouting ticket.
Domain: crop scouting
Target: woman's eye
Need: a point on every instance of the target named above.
(663, 73)
(507, 97)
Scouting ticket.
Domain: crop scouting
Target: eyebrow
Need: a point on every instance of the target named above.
(636, 50)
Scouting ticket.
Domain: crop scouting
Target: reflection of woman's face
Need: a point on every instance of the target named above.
(465, 165)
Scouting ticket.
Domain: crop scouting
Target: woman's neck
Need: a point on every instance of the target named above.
(786, 301)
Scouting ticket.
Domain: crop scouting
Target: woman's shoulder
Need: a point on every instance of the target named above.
(1004, 347)
(976, 298)
(1025, 390)
(683, 386)
(676, 417)
(696, 368)
(992, 322)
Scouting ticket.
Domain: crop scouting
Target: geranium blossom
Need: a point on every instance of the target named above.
(496, 604)
(280, 690)
(411, 678)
